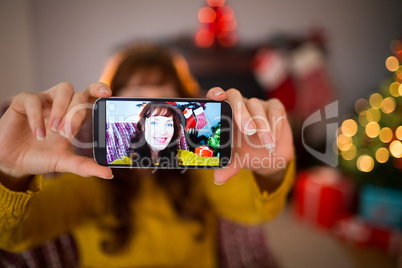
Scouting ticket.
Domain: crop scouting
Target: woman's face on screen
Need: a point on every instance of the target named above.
(158, 131)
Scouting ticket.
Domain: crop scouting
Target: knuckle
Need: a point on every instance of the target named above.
(253, 101)
(277, 105)
(234, 92)
(66, 86)
(81, 97)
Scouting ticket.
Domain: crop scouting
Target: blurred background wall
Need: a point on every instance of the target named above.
(45, 42)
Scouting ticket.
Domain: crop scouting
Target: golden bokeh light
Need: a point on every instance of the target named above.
(398, 133)
(393, 89)
(349, 127)
(375, 101)
(386, 135)
(392, 63)
(398, 75)
(396, 149)
(382, 155)
(365, 163)
(373, 115)
(361, 105)
(372, 129)
(349, 154)
(363, 118)
(388, 105)
(399, 90)
(344, 142)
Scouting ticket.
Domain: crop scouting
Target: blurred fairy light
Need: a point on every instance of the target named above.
(396, 149)
(216, 3)
(392, 63)
(206, 15)
(344, 142)
(363, 119)
(372, 129)
(373, 115)
(382, 155)
(400, 89)
(385, 135)
(365, 163)
(217, 25)
(349, 154)
(349, 127)
(361, 105)
(393, 89)
(204, 38)
(398, 133)
(375, 100)
(388, 105)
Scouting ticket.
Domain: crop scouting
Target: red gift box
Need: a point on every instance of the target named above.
(322, 196)
(204, 151)
(362, 233)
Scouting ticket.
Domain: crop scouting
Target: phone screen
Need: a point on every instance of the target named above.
(165, 133)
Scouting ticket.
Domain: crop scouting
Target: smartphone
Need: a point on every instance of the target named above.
(162, 133)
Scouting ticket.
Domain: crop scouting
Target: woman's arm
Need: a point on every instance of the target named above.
(46, 209)
(241, 199)
(36, 134)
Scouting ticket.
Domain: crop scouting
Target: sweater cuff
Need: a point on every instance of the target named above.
(17, 201)
(275, 201)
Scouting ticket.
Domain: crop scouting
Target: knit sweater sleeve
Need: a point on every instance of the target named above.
(240, 199)
(48, 208)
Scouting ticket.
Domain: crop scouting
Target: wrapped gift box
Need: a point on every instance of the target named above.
(381, 205)
(360, 232)
(322, 196)
(204, 151)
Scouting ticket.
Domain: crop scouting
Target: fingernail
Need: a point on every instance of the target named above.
(63, 134)
(68, 130)
(104, 90)
(252, 129)
(55, 125)
(219, 92)
(218, 183)
(108, 178)
(40, 134)
(268, 142)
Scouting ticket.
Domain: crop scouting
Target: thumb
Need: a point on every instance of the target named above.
(85, 167)
(224, 174)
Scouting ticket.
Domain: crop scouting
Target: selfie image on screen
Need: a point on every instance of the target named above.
(160, 133)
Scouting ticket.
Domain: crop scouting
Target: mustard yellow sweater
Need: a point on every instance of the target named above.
(70, 203)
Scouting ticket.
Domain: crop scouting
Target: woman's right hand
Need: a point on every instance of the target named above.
(34, 132)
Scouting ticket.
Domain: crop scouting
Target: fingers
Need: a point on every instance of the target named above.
(97, 90)
(241, 114)
(264, 129)
(216, 93)
(80, 107)
(61, 95)
(276, 114)
(224, 174)
(30, 104)
(84, 166)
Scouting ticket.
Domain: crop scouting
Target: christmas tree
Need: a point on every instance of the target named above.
(370, 143)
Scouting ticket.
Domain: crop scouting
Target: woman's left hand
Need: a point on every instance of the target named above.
(262, 137)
